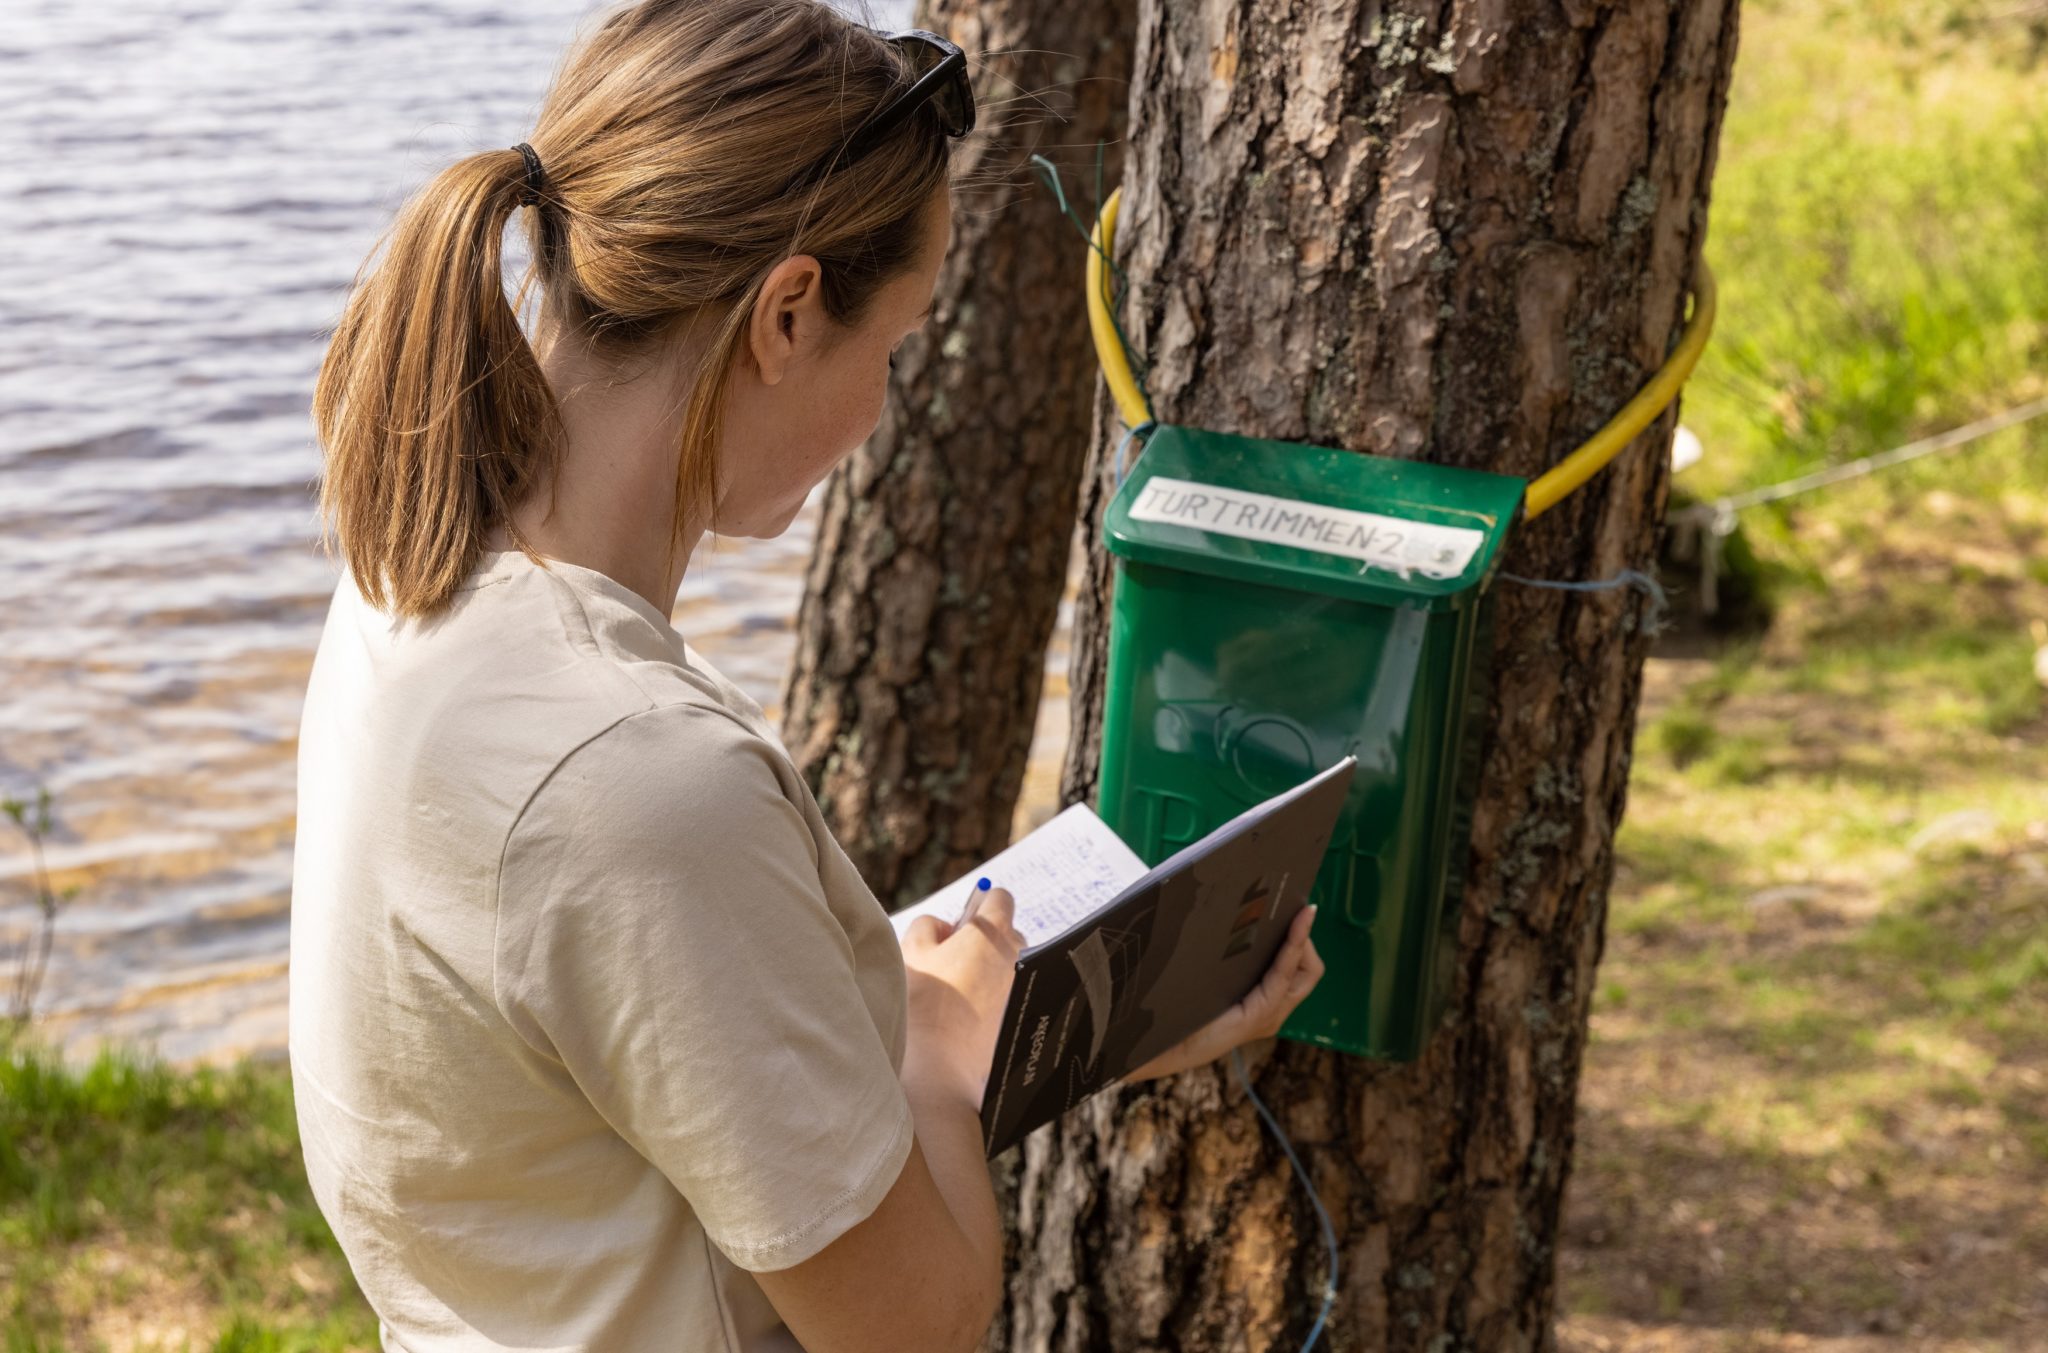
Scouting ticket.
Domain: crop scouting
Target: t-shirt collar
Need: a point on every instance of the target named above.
(642, 620)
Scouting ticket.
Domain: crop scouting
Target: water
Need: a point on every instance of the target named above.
(189, 190)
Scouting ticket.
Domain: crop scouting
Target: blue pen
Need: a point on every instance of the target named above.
(974, 896)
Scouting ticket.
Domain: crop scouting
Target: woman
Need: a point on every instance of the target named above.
(599, 1040)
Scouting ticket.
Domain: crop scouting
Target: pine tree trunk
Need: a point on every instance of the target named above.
(943, 545)
(1461, 233)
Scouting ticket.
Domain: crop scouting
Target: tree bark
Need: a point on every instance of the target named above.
(1460, 232)
(943, 544)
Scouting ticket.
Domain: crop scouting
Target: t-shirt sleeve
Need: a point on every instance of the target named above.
(663, 932)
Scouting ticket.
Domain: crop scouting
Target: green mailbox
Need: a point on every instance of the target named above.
(1278, 607)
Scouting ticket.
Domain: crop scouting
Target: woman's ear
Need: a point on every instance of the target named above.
(788, 317)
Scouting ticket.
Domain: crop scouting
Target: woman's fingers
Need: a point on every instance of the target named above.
(926, 931)
(1303, 921)
(1295, 971)
(1311, 972)
(997, 907)
(997, 917)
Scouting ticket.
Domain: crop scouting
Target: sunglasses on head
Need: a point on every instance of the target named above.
(942, 82)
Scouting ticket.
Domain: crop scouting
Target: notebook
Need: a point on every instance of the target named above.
(1122, 962)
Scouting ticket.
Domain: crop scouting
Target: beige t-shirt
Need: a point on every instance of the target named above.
(589, 1013)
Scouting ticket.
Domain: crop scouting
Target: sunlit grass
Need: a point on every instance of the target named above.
(1819, 1023)
(1815, 1097)
(1876, 230)
(141, 1206)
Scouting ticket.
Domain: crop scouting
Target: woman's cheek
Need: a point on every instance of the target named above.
(873, 399)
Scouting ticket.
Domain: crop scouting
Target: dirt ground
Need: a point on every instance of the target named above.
(1814, 1113)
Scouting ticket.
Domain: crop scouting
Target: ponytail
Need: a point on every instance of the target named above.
(668, 139)
(430, 403)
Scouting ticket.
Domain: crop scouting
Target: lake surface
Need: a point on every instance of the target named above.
(190, 188)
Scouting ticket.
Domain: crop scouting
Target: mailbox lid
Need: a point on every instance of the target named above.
(1314, 519)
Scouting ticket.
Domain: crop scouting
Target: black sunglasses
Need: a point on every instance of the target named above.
(942, 82)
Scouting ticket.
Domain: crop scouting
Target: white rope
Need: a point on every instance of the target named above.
(1856, 469)
(1715, 521)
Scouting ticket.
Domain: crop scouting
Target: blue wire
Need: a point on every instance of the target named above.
(1143, 429)
(1049, 174)
(1300, 1172)
(1628, 577)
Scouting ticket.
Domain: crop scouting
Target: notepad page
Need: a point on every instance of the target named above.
(1059, 875)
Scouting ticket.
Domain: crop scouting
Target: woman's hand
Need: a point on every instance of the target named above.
(1295, 971)
(959, 980)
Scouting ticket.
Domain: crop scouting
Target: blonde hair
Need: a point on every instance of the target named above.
(688, 147)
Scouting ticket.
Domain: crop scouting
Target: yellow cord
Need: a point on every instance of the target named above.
(1109, 348)
(1638, 413)
(1544, 491)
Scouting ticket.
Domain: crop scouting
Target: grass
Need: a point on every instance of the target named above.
(142, 1207)
(1812, 1107)
(1879, 208)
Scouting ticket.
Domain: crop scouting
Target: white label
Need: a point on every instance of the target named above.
(1388, 542)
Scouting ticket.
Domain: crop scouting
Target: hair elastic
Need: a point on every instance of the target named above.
(536, 177)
